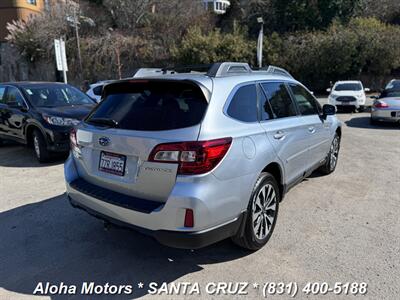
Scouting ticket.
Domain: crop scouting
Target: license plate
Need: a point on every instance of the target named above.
(398, 114)
(112, 163)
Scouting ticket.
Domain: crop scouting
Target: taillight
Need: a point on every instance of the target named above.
(193, 157)
(381, 104)
(72, 138)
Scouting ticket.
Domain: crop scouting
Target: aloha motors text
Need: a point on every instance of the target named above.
(152, 288)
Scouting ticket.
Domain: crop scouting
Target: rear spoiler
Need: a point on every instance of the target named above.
(204, 89)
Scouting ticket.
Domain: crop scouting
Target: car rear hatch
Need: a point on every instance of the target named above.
(114, 143)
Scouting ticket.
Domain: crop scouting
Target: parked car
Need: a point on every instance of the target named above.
(348, 94)
(96, 90)
(393, 84)
(41, 114)
(192, 159)
(149, 72)
(386, 106)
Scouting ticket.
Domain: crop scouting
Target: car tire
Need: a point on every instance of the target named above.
(332, 157)
(40, 147)
(261, 215)
(361, 109)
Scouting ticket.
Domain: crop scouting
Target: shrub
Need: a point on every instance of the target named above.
(214, 46)
(363, 47)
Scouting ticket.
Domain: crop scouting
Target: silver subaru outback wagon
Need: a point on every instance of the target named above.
(193, 158)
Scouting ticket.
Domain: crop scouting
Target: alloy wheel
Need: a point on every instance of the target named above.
(334, 153)
(264, 211)
(36, 145)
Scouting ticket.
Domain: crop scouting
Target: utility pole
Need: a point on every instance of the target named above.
(63, 62)
(260, 42)
(78, 44)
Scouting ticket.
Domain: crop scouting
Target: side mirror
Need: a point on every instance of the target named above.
(367, 90)
(328, 110)
(329, 90)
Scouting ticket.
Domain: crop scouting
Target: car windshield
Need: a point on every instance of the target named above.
(348, 87)
(54, 95)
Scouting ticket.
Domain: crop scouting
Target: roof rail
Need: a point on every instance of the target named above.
(189, 69)
(228, 68)
(275, 70)
(220, 69)
(234, 68)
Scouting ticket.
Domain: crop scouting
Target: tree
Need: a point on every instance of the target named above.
(128, 14)
(365, 46)
(385, 10)
(233, 16)
(214, 46)
(34, 38)
(292, 15)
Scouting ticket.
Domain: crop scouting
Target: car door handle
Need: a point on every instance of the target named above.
(279, 135)
(311, 129)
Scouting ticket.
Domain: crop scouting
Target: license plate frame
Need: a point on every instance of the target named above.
(110, 167)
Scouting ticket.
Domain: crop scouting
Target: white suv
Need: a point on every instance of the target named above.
(348, 94)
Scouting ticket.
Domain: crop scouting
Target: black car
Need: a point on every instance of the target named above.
(41, 114)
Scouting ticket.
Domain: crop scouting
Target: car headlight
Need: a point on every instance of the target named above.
(58, 121)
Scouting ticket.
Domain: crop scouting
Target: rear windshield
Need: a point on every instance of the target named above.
(150, 105)
(348, 87)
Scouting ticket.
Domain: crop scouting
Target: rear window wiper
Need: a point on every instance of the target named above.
(104, 121)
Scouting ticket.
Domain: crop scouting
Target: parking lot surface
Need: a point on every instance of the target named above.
(339, 228)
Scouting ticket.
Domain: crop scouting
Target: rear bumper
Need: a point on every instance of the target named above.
(175, 239)
(214, 202)
(385, 115)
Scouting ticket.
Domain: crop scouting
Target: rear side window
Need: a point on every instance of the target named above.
(153, 105)
(305, 101)
(243, 106)
(279, 99)
(266, 110)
